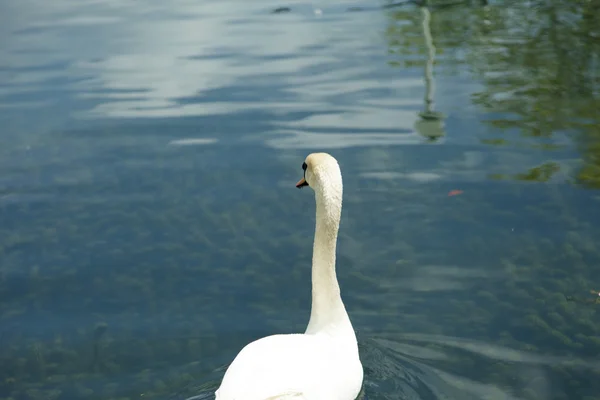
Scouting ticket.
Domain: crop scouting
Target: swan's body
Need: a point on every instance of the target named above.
(323, 363)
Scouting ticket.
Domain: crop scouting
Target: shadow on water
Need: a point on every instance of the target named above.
(150, 227)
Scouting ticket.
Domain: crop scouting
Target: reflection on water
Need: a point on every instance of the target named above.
(150, 228)
(430, 124)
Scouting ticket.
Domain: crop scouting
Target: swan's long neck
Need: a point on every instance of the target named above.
(328, 313)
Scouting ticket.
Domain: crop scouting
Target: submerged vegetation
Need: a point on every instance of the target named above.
(142, 318)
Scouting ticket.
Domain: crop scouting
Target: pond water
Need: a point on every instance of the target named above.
(150, 228)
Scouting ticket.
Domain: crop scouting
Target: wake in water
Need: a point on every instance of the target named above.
(435, 367)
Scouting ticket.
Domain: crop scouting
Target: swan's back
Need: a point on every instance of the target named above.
(297, 366)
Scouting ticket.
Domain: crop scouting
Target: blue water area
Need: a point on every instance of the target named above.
(150, 227)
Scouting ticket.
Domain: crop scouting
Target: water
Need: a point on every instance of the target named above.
(149, 226)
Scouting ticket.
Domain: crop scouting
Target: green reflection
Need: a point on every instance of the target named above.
(538, 64)
(543, 173)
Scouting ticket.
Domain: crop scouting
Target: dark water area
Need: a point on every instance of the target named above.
(150, 228)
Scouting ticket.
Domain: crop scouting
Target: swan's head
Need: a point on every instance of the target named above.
(321, 171)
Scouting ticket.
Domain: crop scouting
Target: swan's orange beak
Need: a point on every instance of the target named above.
(301, 183)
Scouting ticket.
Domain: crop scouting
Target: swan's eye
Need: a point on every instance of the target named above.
(304, 166)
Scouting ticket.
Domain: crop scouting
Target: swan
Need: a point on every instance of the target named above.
(323, 363)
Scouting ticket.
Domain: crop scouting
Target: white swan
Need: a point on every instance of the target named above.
(323, 363)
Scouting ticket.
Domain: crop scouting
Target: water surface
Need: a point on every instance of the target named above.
(150, 228)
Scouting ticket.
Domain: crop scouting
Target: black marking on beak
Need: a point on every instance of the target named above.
(302, 182)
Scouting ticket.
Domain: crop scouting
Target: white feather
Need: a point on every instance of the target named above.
(323, 363)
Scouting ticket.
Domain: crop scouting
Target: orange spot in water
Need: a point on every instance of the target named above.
(454, 192)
